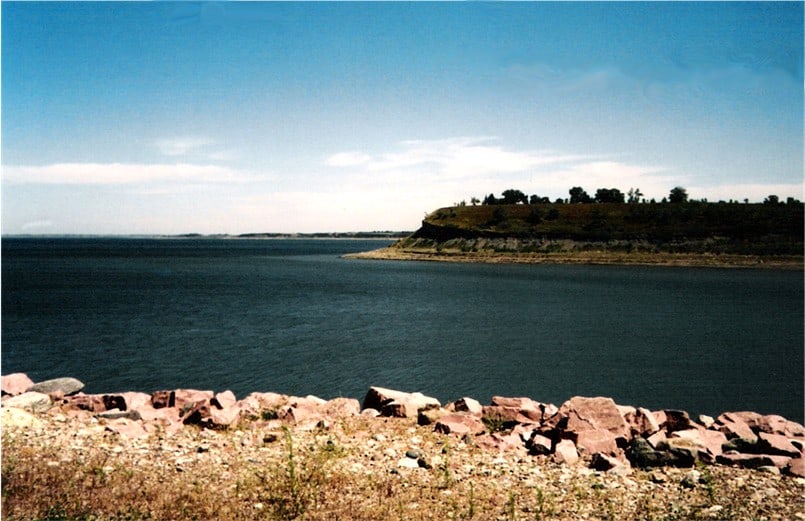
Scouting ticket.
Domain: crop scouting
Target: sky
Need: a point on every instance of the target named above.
(170, 118)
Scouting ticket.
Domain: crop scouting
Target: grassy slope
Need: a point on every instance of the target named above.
(755, 229)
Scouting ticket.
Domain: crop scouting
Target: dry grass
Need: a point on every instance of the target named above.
(343, 473)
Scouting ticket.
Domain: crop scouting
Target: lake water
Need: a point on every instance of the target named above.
(291, 316)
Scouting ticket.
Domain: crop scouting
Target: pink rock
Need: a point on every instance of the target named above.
(753, 461)
(223, 418)
(657, 438)
(164, 415)
(641, 421)
(467, 405)
(15, 383)
(397, 403)
(500, 442)
(735, 428)
(596, 441)
(197, 413)
(774, 424)
(339, 408)
(301, 414)
(678, 421)
(796, 467)
(752, 419)
(777, 444)
(606, 463)
(188, 397)
(269, 401)
(714, 440)
(706, 443)
(224, 400)
(707, 421)
(533, 410)
(539, 444)
(395, 409)
(86, 402)
(161, 399)
(135, 400)
(659, 417)
(459, 424)
(565, 452)
(499, 413)
(128, 429)
(594, 414)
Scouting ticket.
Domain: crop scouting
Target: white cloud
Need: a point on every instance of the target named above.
(120, 174)
(180, 146)
(37, 225)
(459, 157)
(345, 159)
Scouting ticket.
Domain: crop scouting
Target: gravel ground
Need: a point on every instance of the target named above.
(74, 467)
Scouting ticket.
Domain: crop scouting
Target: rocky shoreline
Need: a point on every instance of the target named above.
(597, 257)
(395, 455)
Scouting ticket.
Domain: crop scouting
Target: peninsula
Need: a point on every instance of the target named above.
(688, 233)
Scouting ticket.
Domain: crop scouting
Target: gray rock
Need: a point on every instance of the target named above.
(413, 453)
(115, 414)
(65, 385)
(30, 401)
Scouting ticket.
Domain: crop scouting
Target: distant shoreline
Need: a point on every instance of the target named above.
(692, 260)
(379, 236)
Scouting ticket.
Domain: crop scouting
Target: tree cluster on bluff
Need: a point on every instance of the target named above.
(578, 195)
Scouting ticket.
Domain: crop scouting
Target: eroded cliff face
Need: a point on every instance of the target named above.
(700, 228)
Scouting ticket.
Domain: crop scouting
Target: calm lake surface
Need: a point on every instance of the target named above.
(291, 316)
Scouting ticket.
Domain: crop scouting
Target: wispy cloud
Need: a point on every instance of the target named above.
(452, 157)
(120, 174)
(180, 146)
(193, 146)
(37, 225)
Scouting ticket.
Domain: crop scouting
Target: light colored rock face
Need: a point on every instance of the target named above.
(397, 403)
(15, 383)
(467, 405)
(459, 424)
(591, 414)
(66, 386)
(30, 401)
(14, 417)
(566, 453)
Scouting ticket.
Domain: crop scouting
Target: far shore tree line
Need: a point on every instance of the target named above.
(677, 195)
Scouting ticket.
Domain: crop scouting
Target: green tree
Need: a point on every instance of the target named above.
(634, 195)
(678, 195)
(512, 196)
(578, 195)
(608, 195)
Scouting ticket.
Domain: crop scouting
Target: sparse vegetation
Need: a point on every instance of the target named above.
(71, 471)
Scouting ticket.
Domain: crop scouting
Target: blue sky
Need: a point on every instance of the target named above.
(124, 118)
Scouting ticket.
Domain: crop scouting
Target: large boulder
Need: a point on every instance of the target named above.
(397, 403)
(676, 420)
(777, 444)
(30, 401)
(467, 405)
(65, 386)
(532, 410)
(14, 417)
(15, 383)
(565, 452)
(460, 424)
(774, 424)
(640, 420)
(596, 441)
(581, 414)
